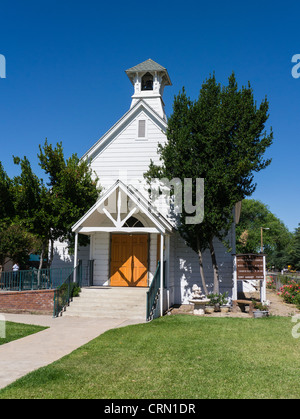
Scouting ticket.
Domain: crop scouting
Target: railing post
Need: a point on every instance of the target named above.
(20, 280)
(54, 303)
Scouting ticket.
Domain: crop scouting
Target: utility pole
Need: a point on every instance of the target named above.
(261, 238)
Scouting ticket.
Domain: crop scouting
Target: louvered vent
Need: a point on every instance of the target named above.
(142, 129)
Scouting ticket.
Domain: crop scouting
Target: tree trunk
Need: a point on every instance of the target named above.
(42, 257)
(215, 267)
(40, 265)
(51, 253)
(201, 267)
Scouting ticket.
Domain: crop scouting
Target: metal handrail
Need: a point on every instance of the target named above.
(63, 295)
(153, 294)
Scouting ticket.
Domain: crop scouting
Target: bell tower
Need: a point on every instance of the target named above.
(149, 80)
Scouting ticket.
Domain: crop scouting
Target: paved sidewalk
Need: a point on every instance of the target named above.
(65, 334)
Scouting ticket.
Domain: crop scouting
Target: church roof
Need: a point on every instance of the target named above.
(131, 113)
(149, 65)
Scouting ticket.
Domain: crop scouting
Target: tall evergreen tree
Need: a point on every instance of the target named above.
(221, 138)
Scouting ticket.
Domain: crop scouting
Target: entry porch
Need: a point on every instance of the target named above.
(128, 239)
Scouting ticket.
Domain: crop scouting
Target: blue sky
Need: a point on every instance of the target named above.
(65, 79)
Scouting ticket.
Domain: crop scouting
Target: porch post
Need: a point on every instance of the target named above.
(76, 250)
(161, 274)
(234, 289)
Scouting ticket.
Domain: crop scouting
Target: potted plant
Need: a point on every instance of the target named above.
(218, 302)
(224, 306)
(260, 310)
(213, 303)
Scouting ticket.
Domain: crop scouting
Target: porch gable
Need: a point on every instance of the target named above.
(116, 206)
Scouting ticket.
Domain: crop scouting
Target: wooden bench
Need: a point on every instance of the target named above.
(237, 303)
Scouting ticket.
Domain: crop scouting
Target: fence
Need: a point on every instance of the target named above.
(35, 279)
(279, 280)
(64, 282)
(40, 279)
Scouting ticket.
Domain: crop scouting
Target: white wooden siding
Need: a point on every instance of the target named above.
(127, 158)
(62, 257)
(100, 243)
(187, 271)
(155, 103)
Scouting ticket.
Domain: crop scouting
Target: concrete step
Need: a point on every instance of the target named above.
(141, 318)
(82, 302)
(119, 309)
(112, 297)
(109, 302)
(114, 290)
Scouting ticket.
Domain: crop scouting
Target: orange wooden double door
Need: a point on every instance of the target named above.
(129, 260)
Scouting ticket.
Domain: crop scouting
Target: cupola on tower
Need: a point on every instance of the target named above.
(149, 80)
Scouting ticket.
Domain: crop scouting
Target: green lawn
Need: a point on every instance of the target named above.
(14, 331)
(176, 357)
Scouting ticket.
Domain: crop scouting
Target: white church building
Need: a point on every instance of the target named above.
(129, 236)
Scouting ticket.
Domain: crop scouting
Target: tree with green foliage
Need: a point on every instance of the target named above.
(33, 205)
(73, 189)
(276, 240)
(45, 212)
(293, 257)
(6, 196)
(16, 244)
(221, 138)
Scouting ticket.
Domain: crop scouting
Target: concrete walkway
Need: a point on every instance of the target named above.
(65, 334)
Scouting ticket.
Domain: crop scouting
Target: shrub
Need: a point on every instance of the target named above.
(76, 291)
(260, 306)
(271, 284)
(290, 292)
(220, 299)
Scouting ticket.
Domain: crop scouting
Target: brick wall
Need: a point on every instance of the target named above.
(40, 301)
